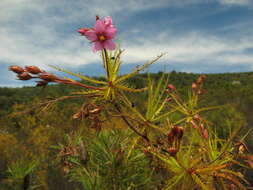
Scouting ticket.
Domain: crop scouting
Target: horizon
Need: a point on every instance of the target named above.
(33, 84)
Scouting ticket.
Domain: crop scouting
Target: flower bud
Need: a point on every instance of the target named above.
(200, 92)
(83, 31)
(78, 115)
(172, 151)
(177, 132)
(97, 17)
(170, 137)
(16, 69)
(95, 111)
(194, 86)
(194, 125)
(180, 132)
(33, 69)
(48, 77)
(201, 79)
(169, 99)
(196, 117)
(42, 83)
(170, 88)
(205, 134)
(24, 76)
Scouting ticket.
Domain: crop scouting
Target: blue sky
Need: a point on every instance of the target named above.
(207, 36)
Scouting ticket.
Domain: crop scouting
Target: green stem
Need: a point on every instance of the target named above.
(106, 64)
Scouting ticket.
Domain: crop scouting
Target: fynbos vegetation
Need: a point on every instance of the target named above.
(120, 137)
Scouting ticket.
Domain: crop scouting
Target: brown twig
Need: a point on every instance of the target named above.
(130, 125)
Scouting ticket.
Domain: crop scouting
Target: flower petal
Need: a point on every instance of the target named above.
(108, 21)
(110, 32)
(99, 27)
(91, 35)
(96, 46)
(109, 44)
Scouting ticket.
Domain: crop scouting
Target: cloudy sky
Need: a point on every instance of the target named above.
(198, 35)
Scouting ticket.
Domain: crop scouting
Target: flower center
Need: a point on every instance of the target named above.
(101, 38)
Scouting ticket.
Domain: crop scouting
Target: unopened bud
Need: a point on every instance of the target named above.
(205, 133)
(48, 77)
(196, 117)
(172, 151)
(201, 79)
(200, 92)
(194, 125)
(83, 31)
(170, 137)
(16, 69)
(177, 132)
(170, 88)
(33, 69)
(78, 115)
(194, 86)
(180, 132)
(42, 83)
(24, 76)
(201, 126)
(97, 17)
(95, 111)
(169, 99)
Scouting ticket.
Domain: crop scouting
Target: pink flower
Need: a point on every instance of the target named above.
(101, 34)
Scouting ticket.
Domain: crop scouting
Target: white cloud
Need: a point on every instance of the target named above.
(235, 2)
(191, 48)
(29, 34)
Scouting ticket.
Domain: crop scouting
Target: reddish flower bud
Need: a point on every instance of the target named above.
(191, 171)
(201, 126)
(33, 69)
(97, 17)
(16, 69)
(194, 125)
(171, 137)
(83, 31)
(48, 77)
(201, 79)
(205, 133)
(177, 132)
(194, 86)
(42, 83)
(172, 151)
(196, 117)
(78, 115)
(95, 111)
(200, 92)
(24, 76)
(169, 99)
(180, 132)
(171, 88)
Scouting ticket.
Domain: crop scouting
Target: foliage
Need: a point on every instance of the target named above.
(113, 134)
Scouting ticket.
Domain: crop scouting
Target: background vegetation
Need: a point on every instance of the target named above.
(34, 135)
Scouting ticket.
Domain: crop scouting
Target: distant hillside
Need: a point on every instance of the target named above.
(36, 131)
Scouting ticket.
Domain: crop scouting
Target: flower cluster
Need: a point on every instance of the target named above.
(101, 35)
